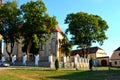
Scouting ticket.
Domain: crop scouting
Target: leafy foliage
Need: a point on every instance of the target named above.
(86, 29)
(9, 21)
(37, 24)
(65, 45)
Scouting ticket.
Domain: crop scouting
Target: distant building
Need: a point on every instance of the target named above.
(115, 58)
(99, 55)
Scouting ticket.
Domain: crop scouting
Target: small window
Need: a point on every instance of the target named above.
(115, 62)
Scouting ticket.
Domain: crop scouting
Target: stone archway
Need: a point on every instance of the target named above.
(103, 63)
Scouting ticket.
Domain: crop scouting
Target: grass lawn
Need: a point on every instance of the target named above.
(21, 74)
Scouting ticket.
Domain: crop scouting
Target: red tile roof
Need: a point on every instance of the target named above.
(58, 29)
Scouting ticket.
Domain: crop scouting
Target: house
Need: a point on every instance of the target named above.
(50, 48)
(115, 58)
(99, 55)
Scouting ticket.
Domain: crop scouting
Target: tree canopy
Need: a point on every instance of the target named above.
(29, 22)
(37, 24)
(86, 29)
(9, 21)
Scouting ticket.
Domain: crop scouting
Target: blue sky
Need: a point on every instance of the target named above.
(109, 10)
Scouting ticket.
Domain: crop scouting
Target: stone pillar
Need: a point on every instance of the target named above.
(24, 59)
(3, 59)
(50, 61)
(13, 59)
(88, 62)
(64, 61)
(36, 60)
(75, 62)
(80, 62)
(85, 62)
(50, 58)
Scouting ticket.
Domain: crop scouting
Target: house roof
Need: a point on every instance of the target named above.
(91, 50)
(58, 29)
(118, 49)
(103, 57)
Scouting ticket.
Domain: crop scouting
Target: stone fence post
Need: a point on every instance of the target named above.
(50, 61)
(50, 58)
(24, 59)
(75, 62)
(3, 59)
(13, 59)
(64, 61)
(36, 60)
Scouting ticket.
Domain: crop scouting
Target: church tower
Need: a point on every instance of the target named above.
(1, 2)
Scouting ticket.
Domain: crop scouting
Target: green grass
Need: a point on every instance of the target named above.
(21, 74)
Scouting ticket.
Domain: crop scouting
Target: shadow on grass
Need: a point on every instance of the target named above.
(89, 75)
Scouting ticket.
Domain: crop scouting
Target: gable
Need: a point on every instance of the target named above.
(115, 55)
(118, 49)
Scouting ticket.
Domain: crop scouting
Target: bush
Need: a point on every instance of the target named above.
(56, 64)
(91, 63)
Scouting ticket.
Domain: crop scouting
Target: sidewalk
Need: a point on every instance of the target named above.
(4, 68)
(38, 68)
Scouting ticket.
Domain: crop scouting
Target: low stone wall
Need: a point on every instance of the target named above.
(76, 63)
(64, 62)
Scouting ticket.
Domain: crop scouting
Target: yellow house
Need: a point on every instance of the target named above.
(99, 55)
(115, 58)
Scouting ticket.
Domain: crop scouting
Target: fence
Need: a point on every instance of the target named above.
(48, 61)
(74, 62)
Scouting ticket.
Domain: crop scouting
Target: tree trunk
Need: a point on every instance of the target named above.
(18, 51)
(9, 51)
(83, 53)
(28, 49)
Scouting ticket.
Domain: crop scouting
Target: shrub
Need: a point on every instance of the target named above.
(56, 64)
(91, 63)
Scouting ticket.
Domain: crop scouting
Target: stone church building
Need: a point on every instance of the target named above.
(50, 48)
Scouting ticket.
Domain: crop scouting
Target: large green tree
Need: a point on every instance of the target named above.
(37, 25)
(9, 21)
(86, 29)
